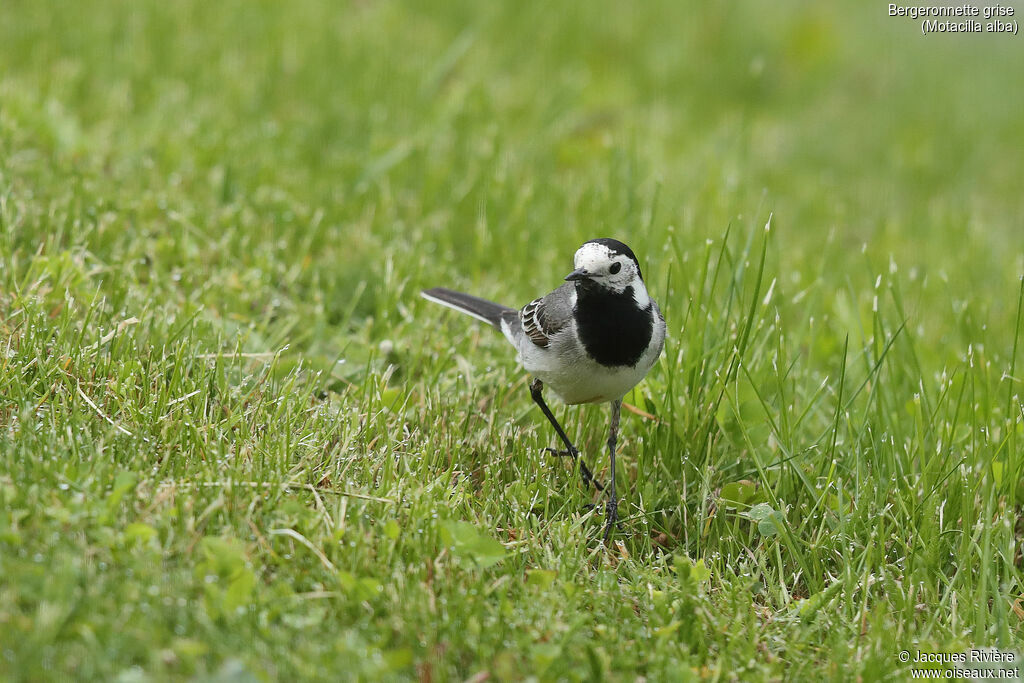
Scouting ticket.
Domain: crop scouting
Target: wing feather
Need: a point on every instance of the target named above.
(530, 317)
(546, 316)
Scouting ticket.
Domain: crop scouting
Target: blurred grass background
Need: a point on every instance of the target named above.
(182, 184)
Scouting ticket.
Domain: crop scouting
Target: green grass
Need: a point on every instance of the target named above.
(235, 443)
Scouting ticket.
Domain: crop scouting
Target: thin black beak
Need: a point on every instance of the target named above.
(578, 274)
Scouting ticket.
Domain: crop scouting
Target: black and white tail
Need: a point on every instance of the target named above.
(481, 309)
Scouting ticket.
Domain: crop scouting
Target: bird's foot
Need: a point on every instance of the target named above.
(585, 473)
(612, 516)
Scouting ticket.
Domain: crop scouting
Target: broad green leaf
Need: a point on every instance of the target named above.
(239, 590)
(739, 493)
(225, 556)
(769, 520)
(466, 541)
(540, 577)
(360, 588)
(687, 569)
(137, 532)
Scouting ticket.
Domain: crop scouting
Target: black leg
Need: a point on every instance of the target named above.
(536, 389)
(613, 502)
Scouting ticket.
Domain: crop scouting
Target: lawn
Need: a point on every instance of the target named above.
(236, 445)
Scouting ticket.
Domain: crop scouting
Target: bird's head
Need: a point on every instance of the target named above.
(608, 264)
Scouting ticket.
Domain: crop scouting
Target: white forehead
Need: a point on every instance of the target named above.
(591, 256)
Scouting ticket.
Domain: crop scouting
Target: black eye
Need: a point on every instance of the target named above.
(616, 267)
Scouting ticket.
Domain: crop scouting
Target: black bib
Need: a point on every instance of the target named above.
(613, 330)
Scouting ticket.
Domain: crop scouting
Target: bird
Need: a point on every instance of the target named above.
(591, 340)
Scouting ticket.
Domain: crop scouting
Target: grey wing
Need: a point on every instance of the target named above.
(544, 317)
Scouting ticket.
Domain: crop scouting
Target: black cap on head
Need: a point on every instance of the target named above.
(617, 247)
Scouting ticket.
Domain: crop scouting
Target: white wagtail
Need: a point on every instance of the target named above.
(591, 340)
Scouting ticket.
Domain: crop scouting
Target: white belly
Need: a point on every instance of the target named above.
(575, 378)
